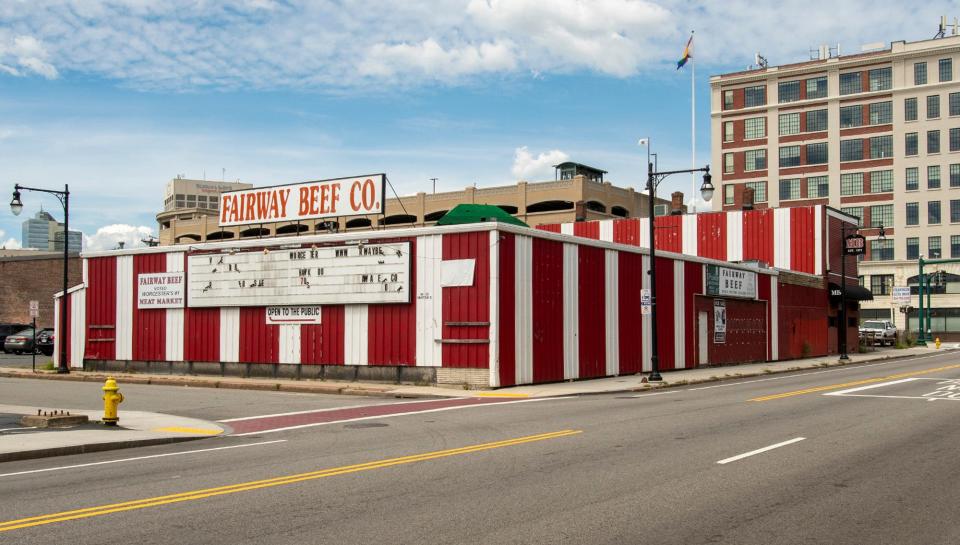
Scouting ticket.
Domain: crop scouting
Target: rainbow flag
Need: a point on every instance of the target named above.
(687, 53)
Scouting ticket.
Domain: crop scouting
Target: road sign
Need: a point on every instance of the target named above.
(900, 294)
(34, 309)
(644, 302)
(855, 245)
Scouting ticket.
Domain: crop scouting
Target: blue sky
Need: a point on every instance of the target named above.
(117, 97)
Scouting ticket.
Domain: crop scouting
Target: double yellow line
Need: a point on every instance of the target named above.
(267, 483)
(851, 384)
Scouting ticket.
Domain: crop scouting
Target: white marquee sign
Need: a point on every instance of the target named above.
(370, 273)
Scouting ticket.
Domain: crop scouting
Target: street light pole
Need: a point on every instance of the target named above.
(16, 206)
(842, 329)
(653, 180)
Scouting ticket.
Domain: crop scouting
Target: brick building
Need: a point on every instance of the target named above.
(33, 278)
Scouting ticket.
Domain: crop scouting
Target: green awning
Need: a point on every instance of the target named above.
(478, 213)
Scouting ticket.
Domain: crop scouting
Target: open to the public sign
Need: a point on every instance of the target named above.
(855, 245)
(357, 196)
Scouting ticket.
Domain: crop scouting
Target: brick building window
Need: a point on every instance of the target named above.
(881, 215)
(880, 284)
(910, 144)
(727, 163)
(953, 103)
(881, 79)
(910, 109)
(817, 153)
(933, 107)
(955, 246)
(933, 177)
(855, 211)
(881, 181)
(728, 131)
(881, 250)
(913, 213)
(789, 156)
(955, 139)
(756, 160)
(913, 248)
(851, 83)
(755, 96)
(817, 87)
(933, 212)
(816, 120)
(788, 91)
(933, 141)
(919, 73)
(881, 147)
(728, 100)
(933, 248)
(728, 194)
(851, 150)
(851, 183)
(955, 175)
(881, 113)
(912, 178)
(759, 191)
(789, 124)
(955, 211)
(790, 189)
(946, 69)
(851, 116)
(818, 187)
(755, 127)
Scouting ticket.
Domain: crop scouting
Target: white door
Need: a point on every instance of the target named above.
(702, 336)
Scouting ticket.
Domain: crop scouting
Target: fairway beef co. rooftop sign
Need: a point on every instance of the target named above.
(358, 196)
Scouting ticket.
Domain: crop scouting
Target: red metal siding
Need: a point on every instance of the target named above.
(802, 321)
(553, 227)
(101, 308)
(627, 231)
(630, 331)
(758, 235)
(665, 312)
(669, 233)
(149, 326)
(508, 317)
(201, 339)
(547, 310)
(746, 333)
(467, 304)
(323, 343)
(712, 235)
(259, 342)
(587, 229)
(592, 315)
(763, 293)
(692, 285)
(392, 329)
(802, 247)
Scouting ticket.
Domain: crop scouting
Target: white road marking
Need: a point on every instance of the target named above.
(760, 450)
(658, 393)
(141, 458)
(242, 418)
(870, 387)
(382, 416)
(800, 374)
(903, 397)
(20, 428)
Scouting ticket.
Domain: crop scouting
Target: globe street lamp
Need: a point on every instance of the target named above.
(16, 206)
(653, 180)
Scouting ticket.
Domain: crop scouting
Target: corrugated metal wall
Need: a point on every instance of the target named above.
(466, 309)
(592, 322)
(101, 308)
(548, 334)
(149, 325)
(392, 329)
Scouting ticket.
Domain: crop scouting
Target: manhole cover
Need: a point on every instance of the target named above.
(363, 425)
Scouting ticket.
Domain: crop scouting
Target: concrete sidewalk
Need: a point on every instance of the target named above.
(579, 387)
(135, 429)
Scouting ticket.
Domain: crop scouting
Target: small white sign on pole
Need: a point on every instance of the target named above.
(34, 309)
(900, 294)
(645, 302)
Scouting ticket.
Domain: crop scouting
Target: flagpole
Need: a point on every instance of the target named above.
(693, 127)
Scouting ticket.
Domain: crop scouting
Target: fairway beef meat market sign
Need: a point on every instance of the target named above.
(358, 196)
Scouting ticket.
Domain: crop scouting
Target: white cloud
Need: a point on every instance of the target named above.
(528, 167)
(109, 237)
(327, 45)
(8, 244)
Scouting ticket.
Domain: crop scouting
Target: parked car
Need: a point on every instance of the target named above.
(20, 342)
(45, 342)
(881, 332)
(9, 329)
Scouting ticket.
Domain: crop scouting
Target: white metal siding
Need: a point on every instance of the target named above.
(494, 334)
(229, 334)
(781, 238)
(523, 308)
(174, 319)
(429, 300)
(690, 234)
(571, 312)
(612, 314)
(735, 236)
(289, 337)
(606, 230)
(124, 328)
(355, 335)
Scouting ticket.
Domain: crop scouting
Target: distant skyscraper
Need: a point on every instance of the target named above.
(43, 232)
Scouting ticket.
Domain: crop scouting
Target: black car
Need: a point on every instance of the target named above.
(10, 329)
(44, 342)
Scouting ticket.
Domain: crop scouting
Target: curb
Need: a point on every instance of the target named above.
(93, 447)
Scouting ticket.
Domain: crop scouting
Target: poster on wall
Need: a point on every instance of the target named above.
(719, 321)
(728, 282)
(330, 275)
(160, 290)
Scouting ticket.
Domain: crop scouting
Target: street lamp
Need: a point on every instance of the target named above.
(653, 180)
(16, 206)
(842, 330)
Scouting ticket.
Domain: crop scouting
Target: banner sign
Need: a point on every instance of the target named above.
(160, 290)
(900, 294)
(719, 321)
(855, 245)
(331, 275)
(293, 315)
(357, 196)
(731, 282)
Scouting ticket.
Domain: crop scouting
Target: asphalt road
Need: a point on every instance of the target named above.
(848, 455)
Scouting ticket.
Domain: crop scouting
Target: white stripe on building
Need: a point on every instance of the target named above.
(355, 341)
(735, 236)
(644, 232)
(174, 325)
(606, 230)
(78, 327)
(571, 312)
(289, 343)
(689, 237)
(818, 240)
(429, 301)
(566, 229)
(123, 331)
(523, 309)
(229, 334)
(781, 238)
(494, 329)
(612, 311)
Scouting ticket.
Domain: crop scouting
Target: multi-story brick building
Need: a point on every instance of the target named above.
(875, 134)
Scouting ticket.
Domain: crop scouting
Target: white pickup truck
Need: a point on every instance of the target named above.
(880, 332)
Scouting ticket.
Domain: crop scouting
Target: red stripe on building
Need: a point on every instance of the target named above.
(508, 317)
(665, 312)
(801, 321)
(201, 341)
(323, 343)
(259, 342)
(630, 327)
(763, 293)
(467, 308)
(392, 329)
(547, 310)
(591, 306)
(802, 244)
(553, 227)
(712, 235)
(101, 308)
(149, 325)
(758, 235)
(627, 231)
(669, 233)
(587, 229)
(692, 285)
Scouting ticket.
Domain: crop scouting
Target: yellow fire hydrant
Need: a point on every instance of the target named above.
(937, 342)
(111, 399)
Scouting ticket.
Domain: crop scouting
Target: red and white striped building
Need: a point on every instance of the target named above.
(535, 307)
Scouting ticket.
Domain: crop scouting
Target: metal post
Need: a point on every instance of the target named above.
(654, 355)
(63, 367)
(929, 319)
(842, 329)
(33, 355)
(920, 329)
